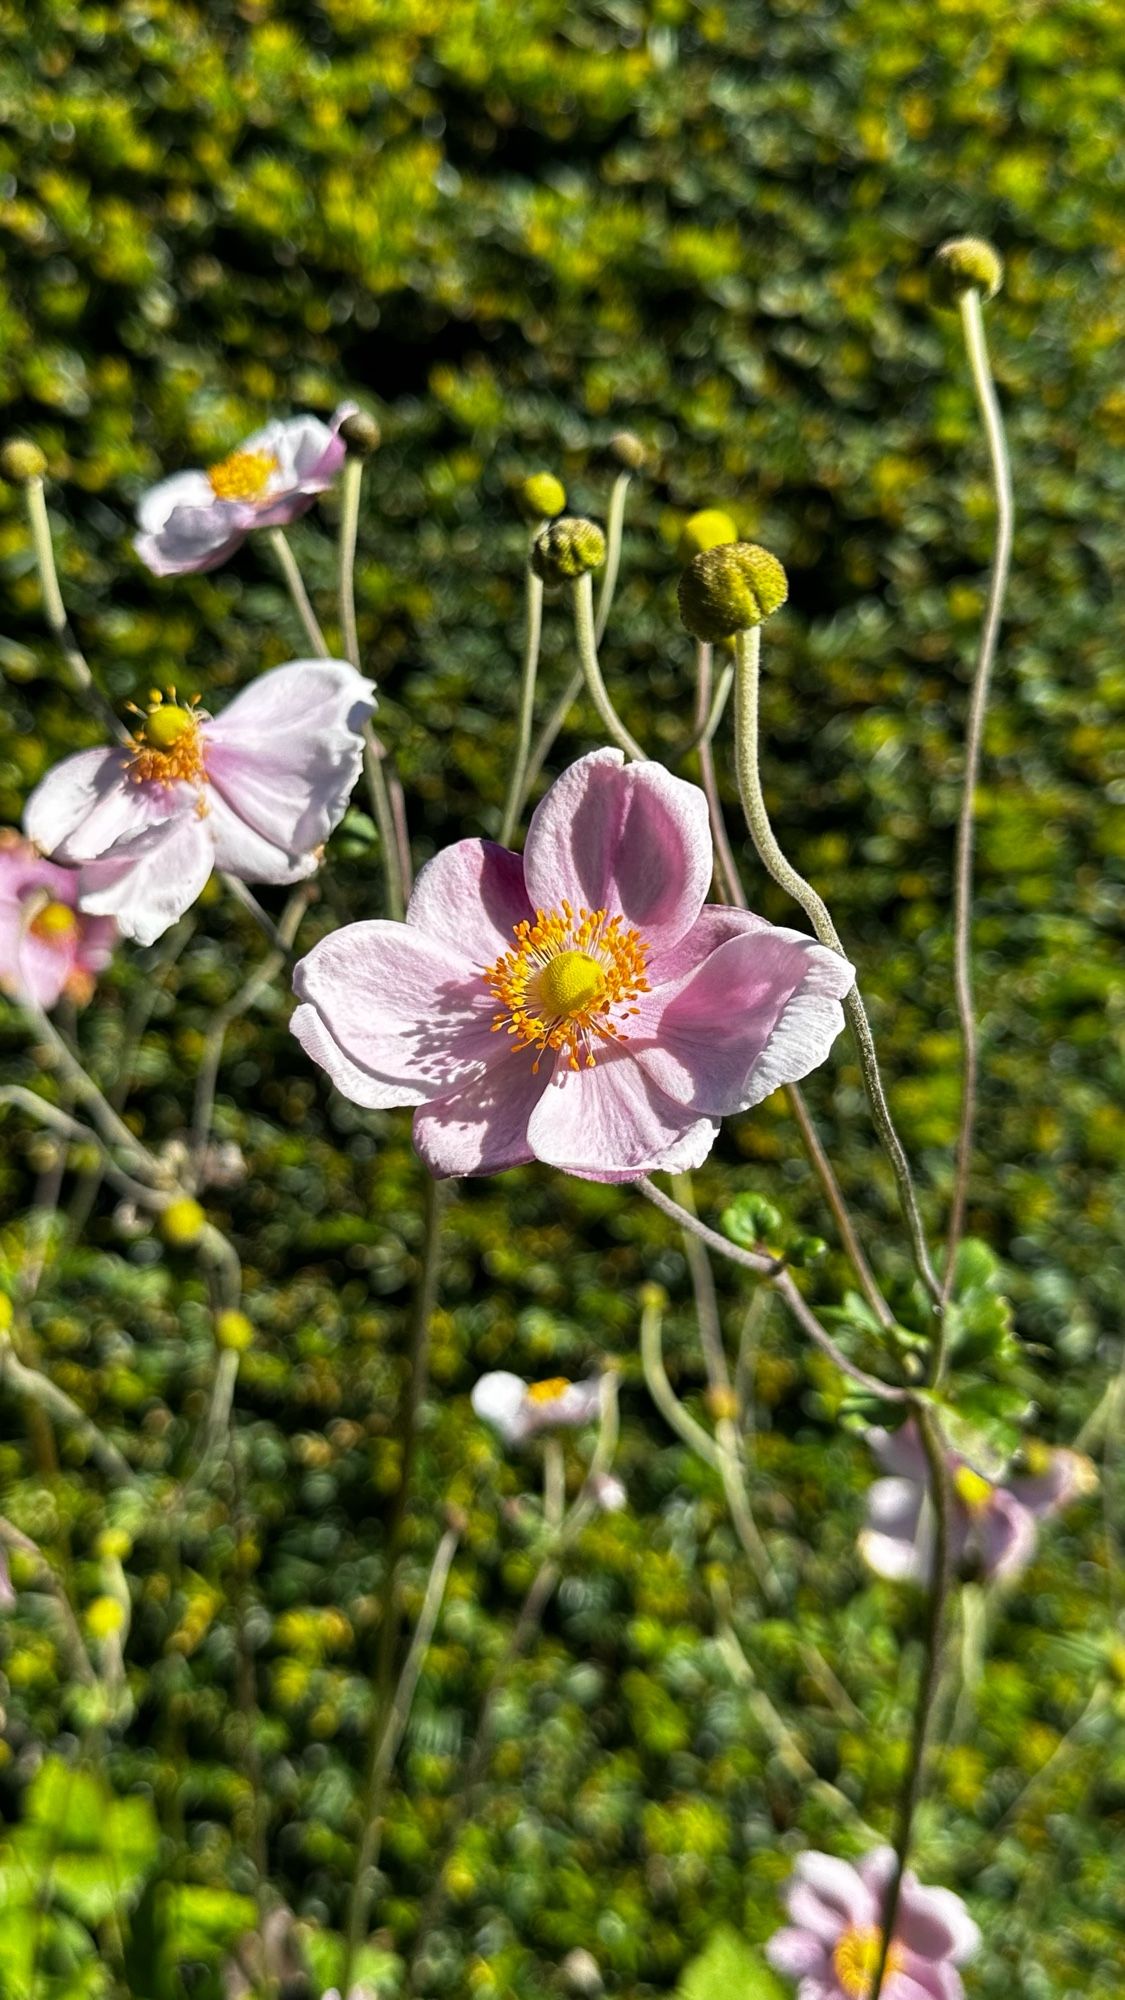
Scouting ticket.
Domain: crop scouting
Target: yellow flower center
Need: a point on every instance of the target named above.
(54, 923)
(169, 747)
(856, 1959)
(245, 475)
(1037, 1457)
(566, 973)
(971, 1488)
(547, 1392)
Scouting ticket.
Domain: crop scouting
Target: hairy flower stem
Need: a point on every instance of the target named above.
(747, 674)
(302, 603)
(583, 600)
(350, 486)
(972, 321)
(833, 1194)
(373, 758)
(937, 1602)
(526, 713)
(54, 611)
(392, 840)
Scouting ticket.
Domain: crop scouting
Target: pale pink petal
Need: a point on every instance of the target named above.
(241, 850)
(180, 489)
(88, 803)
(761, 1011)
(470, 897)
(286, 752)
(196, 539)
(401, 1009)
(796, 1953)
(1006, 1535)
(612, 1123)
(716, 924)
(500, 1399)
(483, 1128)
(350, 1080)
(147, 882)
(44, 967)
(1069, 1475)
(630, 839)
(577, 1404)
(916, 1979)
(901, 1451)
(897, 1542)
(840, 1890)
(935, 1922)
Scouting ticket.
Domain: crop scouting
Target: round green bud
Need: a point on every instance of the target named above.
(729, 589)
(21, 461)
(568, 549)
(182, 1223)
(629, 450)
(361, 434)
(233, 1331)
(104, 1617)
(709, 529)
(964, 264)
(542, 496)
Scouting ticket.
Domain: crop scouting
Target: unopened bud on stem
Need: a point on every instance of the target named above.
(568, 549)
(964, 264)
(361, 434)
(542, 496)
(708, 529)
(730, 589)
(21, 461)
(628, 450)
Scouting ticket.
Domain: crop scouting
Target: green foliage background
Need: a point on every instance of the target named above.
(512, 231)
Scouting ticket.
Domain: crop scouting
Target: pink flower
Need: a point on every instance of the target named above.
(195, 520)
(580, 1005)
(255, 791)
(832, 1948)
(520, 1410)
(47, 947)
(994, 1523)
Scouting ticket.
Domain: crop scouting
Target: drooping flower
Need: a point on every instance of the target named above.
(194, 520)
(833, 1944)
(580, 1005)
(519, 1410)
(993, 1524)
(255, 791)
(48, 947)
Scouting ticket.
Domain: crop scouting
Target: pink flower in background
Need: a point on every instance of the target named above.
(520, 1410)
(994, 1525)
(255, 791)
(832, 1947)
(47, 946)
(581, 1005)
(195, 520)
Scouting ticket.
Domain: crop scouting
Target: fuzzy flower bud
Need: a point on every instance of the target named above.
(628, 450)
(182, 1223)
(21, 461)
(568, 549)
(729, 589)
(361, 434)
(542, 496)
(708, 529)
(964, 264)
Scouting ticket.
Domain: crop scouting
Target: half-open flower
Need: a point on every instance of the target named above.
(519, 1410)
(834, 1943)
(993, 1524)
(195, 520)
(48, 947)
(255, 791)
(580, 1005)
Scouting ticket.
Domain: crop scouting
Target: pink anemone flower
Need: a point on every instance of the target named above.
(519, 1410)
(835, 1937)
(581, 1005)
(194, 520)
(255, 791)
(994, 1524)
(47, 946)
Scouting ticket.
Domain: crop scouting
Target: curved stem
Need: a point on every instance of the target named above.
(583, 599)
(614, 531)
(302, 603)
(972, 320)
(373, 755)
(660, 1388)
(545, 741)
(46, 1395)
(349, 525)
(54, 611)
(13, 1538)
(517, 783)
(833, 1194)
(748, 657)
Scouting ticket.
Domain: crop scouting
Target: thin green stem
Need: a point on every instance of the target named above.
(302, 603)
(833, 1194)
(350, 486)
(545, 741)
(614, 532)
(13, 1538)
(747, 673)
(373, 771)
(54, 611)
(39, 1390)
(583, 600)
(526, 711)
(972, 320)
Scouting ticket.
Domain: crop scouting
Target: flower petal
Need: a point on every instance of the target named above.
(1006, 1534)
(400, 1009)
(797, 1953)
(842, 1896)
(935, 1923)
(241, 850)
(470, 897)
(900, 1451)
(631, 839)
(897, 1542)
(500, 1399)
(761, 1011)
(180, 489)
(483, 1128)
(286, 752)
(195, 539)
(1069, 1474)
(612, 1123)
(147, 882)
(88, 803)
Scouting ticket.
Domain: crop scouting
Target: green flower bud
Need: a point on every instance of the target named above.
(964, 264)
(729, 589)
(708, 529)
(21, 461)
(568, 549)
(628, 450)
(542, 496)
(182, 1223)
(361, 434)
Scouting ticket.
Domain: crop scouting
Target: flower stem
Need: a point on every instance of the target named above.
(583, 598)
(373, 757)
(224, 1018)
(614, 531)
(302, 603)
(40, 1391)
(350, 486)
(972, 320)
(54, 611)
(526, 713)
(748, 658)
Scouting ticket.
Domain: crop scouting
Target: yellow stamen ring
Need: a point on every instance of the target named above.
(245, 475)
(169, 747)
(566, 973)
(855, 1960)
(971, 1488)
(549, 1391)
(54, 923)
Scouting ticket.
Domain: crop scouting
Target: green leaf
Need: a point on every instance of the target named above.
(730, 1969)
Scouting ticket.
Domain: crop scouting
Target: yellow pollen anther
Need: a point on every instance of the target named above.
(971, 1488)
(547, 1392)
(169, 748)
(565, 977)
(856, 1958)
(54, 922)
(245, 475)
